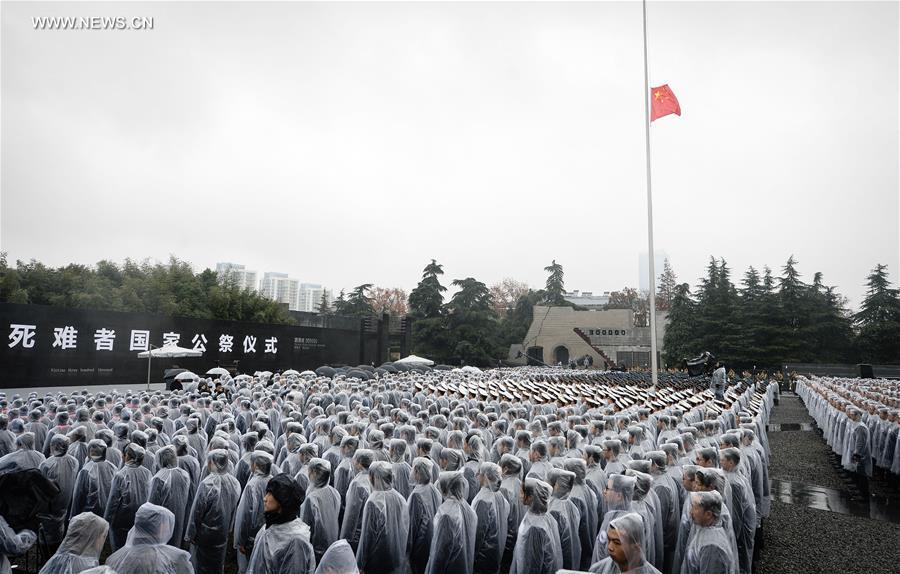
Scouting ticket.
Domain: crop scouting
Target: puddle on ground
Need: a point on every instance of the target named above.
(821, 498)
(775, 427)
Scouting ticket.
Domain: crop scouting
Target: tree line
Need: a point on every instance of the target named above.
(171, 288)
(765, 321)
(769, 320)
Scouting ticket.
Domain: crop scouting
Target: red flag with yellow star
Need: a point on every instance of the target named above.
(663, 102)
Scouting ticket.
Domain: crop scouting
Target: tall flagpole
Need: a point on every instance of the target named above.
(653, 362)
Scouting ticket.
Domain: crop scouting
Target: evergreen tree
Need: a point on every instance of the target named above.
(679, 341)
(878, 319)
(473, 323)
(323, 304)
(359, 303)
(340, 304)
(430, 334)
(427, 299)
(667, 284)
(555, 287)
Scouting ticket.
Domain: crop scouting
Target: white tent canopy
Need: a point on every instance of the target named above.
(170, 351)
(414, 360)
(186, 376)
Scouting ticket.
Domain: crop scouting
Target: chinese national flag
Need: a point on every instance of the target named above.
(663, 102)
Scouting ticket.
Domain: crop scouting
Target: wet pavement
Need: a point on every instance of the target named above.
(790, 427)
(882, 508)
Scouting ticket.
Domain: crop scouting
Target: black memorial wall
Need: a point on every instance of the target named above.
(56, 346)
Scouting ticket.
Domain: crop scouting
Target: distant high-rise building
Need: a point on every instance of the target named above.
(281, 288)
(236, 274)
(644, 268)
(310, 297)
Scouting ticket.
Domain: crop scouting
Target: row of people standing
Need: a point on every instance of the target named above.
(409, 487)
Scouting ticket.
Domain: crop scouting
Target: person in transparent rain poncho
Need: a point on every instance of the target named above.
(646, 504)
(618, 496)
(282, 545)
(708, 550)
(668, 494)
(423, 503)
(81, 547)
(567, 516)
(13, 544)
(538, 549)
(62, 469)
(146, 551)
(212, 514)
(586, 501)
(511, 489)
(92, 484)
(357, 494)
(625, 548)
(338, 559)
(492, 511)
(171, 488)
(321, 508)
(453, 540)
(129, 490)
(250, 515)
(24, 457)
(743, 516)
(385, 526)
(400, 467)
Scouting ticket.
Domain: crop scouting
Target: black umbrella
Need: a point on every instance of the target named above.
(368, 368)
(402, 367)
(359, 374)
(388, 369)
(25, 494)
(325, 372)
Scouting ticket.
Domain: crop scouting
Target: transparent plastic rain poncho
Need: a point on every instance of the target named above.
(185, 459)
(668, 493)
(357, 494)
(13, 544)
(338, 559)
(492, 511)
(385, 525)
(249, 516)
(619, 494)
(628, 542)
(24, 457)
(646, 504)
(453, 540)
(212, 515)
(171, 488)
(743, 515)
(129, 490)
(511, 489)
(81, 547)
(291, 464)
(93, 482)
(62, 469)
(567, 516)
(322, 507)
(538, 549)
(146, 551)
(399, 467)
(709, 551)
(586, 502)
(78, 439)
(423, 504)
(282, 545)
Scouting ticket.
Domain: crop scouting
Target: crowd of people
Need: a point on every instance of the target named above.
(860, 420)
(411, 472)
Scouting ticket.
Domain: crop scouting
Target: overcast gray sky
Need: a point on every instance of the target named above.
(346, 143)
